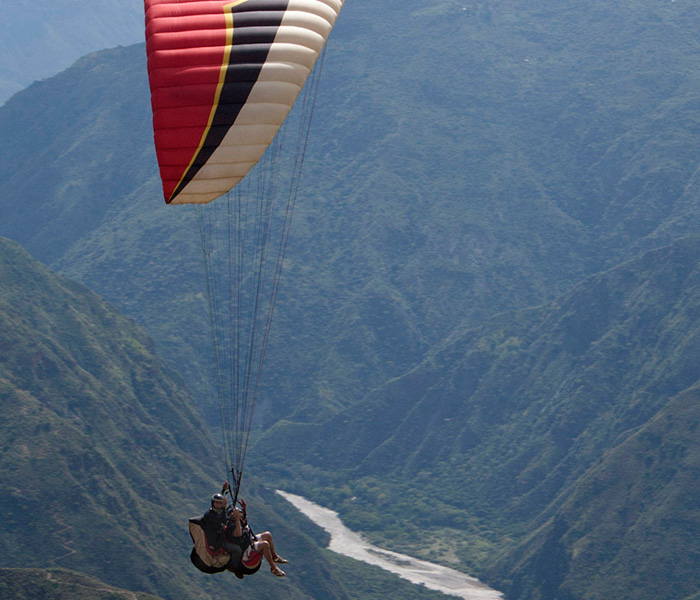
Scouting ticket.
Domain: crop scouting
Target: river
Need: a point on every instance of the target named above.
(432, 576)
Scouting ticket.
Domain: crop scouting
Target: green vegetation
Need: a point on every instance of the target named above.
(459, 344)
(93, 428)
(367, 582)
(104, 456)
(555, 448)
(455, 181)
(59, 584)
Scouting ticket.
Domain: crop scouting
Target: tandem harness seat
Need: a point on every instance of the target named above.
(211, 560)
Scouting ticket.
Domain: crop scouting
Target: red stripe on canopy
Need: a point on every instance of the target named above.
(185, 56)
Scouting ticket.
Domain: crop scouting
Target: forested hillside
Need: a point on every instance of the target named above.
(104, 456)
(468, 161)
(444, 183)
(94, 428)
(58, 584)
(559, 444)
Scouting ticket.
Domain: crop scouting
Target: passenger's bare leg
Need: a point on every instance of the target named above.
(264, 547)
(267, 537)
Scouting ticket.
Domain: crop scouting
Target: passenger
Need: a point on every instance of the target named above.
(238, 534)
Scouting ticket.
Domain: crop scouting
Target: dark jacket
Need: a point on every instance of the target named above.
(213, 522)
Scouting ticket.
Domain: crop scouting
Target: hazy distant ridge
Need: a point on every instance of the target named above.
(40, 38)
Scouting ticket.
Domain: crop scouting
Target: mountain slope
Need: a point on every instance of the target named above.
(104, 456)
(630, 526)
(93, 425)
(451, 182)
(58, 584)
(562, 440)
(443, 183)
(39, 39)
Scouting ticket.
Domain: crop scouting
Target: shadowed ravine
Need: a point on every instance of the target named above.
(348, 543)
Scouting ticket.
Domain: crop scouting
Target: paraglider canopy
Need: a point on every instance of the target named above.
(224, 76)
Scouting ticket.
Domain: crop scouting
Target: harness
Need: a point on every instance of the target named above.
(203, 556)
(251, 559)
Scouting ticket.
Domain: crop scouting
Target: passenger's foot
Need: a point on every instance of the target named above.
(277, 571)
(280, 560)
